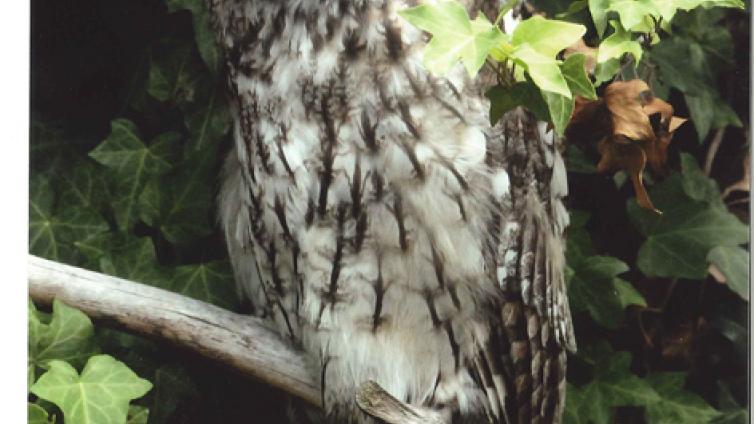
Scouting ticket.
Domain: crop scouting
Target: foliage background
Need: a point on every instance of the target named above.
(129, 128)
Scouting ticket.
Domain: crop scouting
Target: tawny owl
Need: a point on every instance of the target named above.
(374, 215)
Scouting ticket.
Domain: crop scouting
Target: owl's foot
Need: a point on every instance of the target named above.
(375, 401)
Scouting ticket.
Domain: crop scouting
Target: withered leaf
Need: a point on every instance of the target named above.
(632, 128)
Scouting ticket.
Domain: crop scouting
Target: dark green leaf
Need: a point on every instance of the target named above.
(696, 185)
(172, 385)
(576, 161)
(211, 282)
(131, 163)
(678, 241)
(677, 405)
(37, 415)
(524, 94)
(204, 35)
(733, 262)
(53, 235)
(613, 385)
(133, 259)
(595, 288)
(137, 415)
(173, 74)
(560, 108)
(208, 122)
(179, 204)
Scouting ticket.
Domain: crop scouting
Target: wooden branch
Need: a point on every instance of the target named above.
(242, 342)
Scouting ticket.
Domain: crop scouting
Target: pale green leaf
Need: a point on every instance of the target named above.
(100, 395)
(733, 262)
(617, 44)
(633, 12)
(69, 336)
(575, 75)
(546, 36)
(543, 70)
(676, 405)
(598, 9)
(454, 36)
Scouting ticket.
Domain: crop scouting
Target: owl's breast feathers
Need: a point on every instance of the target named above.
(375, 217)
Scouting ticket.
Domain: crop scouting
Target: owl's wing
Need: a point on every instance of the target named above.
(523, 361)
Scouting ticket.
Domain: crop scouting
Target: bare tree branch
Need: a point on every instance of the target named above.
(242, 342)
(239, 341)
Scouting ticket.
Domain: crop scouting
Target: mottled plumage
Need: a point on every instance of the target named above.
(374, 216)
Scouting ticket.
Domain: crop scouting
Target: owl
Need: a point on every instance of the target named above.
(379, 222)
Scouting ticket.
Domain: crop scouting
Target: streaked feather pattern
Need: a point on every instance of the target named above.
(378, 221)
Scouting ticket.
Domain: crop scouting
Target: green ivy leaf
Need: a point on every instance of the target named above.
(179, 203)
(695, 184)
(578, 162)
(52, 235)
(100, 395)
(598, 9)
(575, 75)
(613, 385)
(677, 243)
(547, 37)
(525, 93)
(69, 336)
(708, 111)
(132, 258)
(172, 385)
(605, 71)
(131, 162)
(454, 36)
(733, 262)
(594, 287)
(204, 36)
(211, 282)
(208, 122)
(560, 108)
(617, 44)
(633, 12)
(543, 70)
(37, 415)
(677, 405)
(84, 187)
(173, 74)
